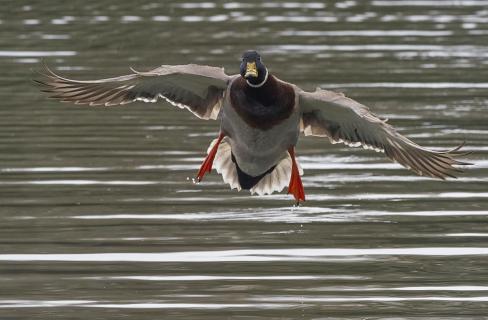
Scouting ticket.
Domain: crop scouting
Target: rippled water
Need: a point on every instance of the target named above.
(98, 219)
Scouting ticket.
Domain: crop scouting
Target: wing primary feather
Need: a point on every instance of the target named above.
(417, 161)
(428, 167)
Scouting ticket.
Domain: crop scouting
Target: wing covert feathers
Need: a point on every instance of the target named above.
(343, 120)
(199, 89)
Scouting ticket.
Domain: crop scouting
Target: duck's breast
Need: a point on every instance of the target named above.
(259, 134)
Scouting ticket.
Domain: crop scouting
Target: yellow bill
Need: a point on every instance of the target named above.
(251, 70)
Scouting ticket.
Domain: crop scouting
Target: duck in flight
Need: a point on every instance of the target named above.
(260, 118)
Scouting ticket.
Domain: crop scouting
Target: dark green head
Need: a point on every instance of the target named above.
(252, 68)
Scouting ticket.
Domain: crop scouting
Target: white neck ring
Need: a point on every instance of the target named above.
(259, 84)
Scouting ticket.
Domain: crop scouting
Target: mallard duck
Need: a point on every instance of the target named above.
(260, 117)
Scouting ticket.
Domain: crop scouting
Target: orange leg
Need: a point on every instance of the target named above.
(295, 187)
(207, 163)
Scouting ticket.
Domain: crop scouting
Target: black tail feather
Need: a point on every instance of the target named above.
(247, 181)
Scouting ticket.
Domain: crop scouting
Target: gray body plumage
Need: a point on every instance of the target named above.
(257, 150)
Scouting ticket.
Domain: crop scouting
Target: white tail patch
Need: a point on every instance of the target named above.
(224, 165)
(275, 181)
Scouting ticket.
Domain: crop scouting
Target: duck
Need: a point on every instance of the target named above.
(261, 118)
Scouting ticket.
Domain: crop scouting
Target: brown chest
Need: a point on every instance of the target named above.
(262, 107)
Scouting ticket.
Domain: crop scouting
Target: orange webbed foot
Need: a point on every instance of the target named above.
(208, 162)
(295, 187)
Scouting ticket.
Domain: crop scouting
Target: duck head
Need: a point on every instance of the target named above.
(253, 69)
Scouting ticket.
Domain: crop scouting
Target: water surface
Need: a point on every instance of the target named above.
(99, 218)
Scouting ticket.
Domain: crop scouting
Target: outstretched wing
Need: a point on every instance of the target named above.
(343, 120)
(197, 88)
